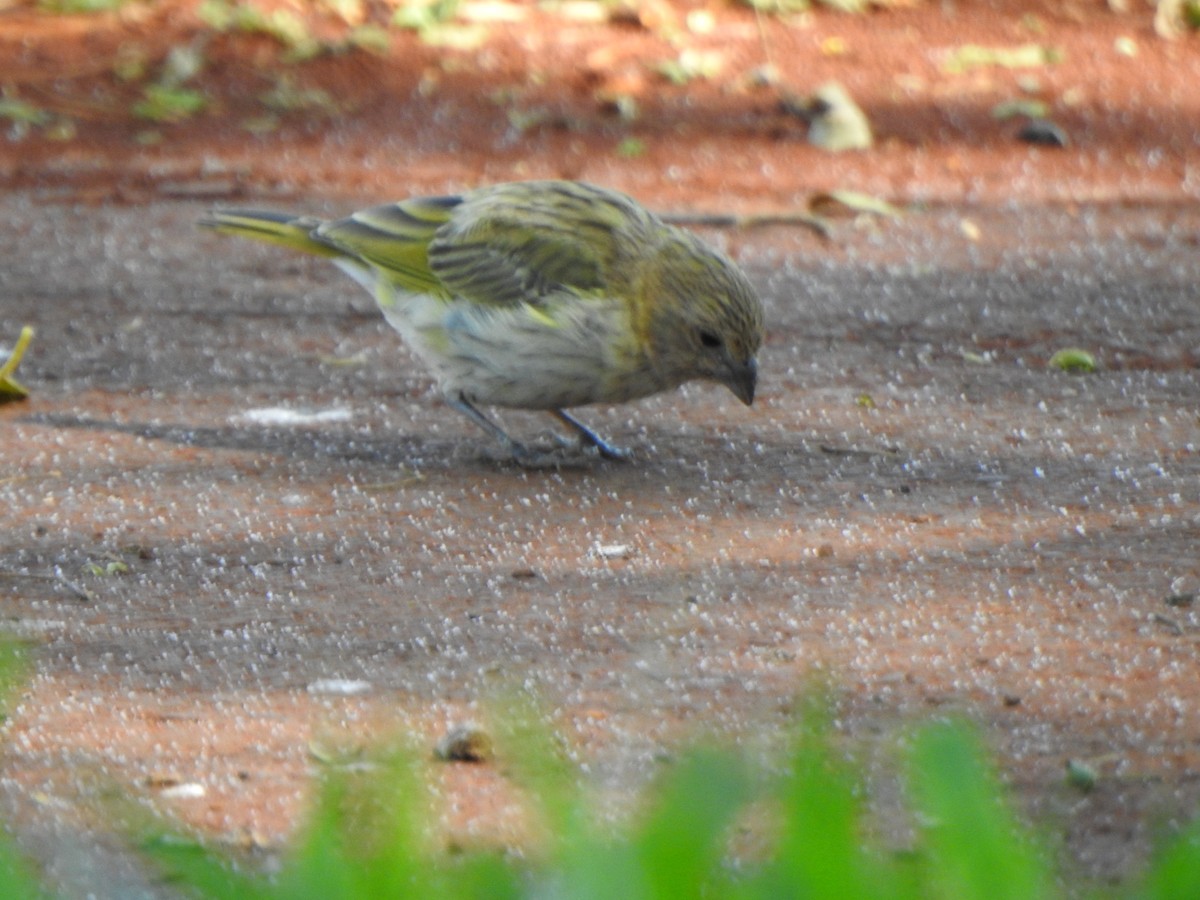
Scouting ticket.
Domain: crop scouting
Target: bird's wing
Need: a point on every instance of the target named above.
(500, 246)
(295, 233)
(521, 243)
(394, 239)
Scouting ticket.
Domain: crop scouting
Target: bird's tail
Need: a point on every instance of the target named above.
(296, 233)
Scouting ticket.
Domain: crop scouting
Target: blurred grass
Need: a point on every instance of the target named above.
(368, 835)
(713, 826)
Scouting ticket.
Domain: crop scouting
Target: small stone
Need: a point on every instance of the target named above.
(464, 743)
(190, 790)
(1044, 133)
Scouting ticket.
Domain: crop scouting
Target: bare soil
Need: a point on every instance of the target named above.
(917, 509)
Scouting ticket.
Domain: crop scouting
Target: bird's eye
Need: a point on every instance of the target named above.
(710, 340)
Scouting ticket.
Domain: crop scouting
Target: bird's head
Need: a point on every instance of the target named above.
(702, 318)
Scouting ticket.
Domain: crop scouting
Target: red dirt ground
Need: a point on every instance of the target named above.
(532, 101)
(975, 538)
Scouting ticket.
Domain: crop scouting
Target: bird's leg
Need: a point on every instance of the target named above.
(464, 406)
(523, 454)
(587, 436)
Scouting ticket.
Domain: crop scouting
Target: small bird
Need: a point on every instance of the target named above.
(835, 122)
(540, 295)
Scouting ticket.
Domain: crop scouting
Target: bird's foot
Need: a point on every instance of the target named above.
(588, 441)
(585, 448)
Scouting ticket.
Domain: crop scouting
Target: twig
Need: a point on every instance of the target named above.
(78, 591)
(757, 220)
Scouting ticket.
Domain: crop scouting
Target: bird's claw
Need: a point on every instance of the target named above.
(565, 453)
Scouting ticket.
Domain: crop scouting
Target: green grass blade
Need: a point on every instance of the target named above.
(16, 875)
(364, 838)
(821, 849)
(535, 759)
(1175, 872)
(318, 867)
(976, 848)
(681, 845)
(482, 876)
(595, 869)
(200, 871)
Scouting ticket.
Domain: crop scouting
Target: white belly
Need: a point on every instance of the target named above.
(550, 357)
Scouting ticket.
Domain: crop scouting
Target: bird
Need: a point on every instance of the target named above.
(835, 122)
(539, 295)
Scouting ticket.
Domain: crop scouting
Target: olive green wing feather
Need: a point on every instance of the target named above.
(520, 243)
(395, 239)
(283, 229)
(499, 246)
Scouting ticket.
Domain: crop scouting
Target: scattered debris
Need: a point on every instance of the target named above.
(190, 790)
(344, 686)
(76, 590)
(753, 220)
(10, 388)
(612, 551)
(1025, 56)
(832, 202)
(1167, 622)
(283, 416)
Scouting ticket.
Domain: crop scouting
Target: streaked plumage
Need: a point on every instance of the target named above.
(541, 295)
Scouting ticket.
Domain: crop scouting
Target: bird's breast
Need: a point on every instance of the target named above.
(567, 351)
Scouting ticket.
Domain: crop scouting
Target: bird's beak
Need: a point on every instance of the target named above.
(742, 380)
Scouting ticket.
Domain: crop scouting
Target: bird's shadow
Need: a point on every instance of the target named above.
(300, 443)
(312, 444)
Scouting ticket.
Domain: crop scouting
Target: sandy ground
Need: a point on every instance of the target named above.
(917, 508)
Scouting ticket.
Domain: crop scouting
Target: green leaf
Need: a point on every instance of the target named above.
(77, 7)
(10, 388)
(1073, 359)
(1080, 775)
(1024, 56)
(691, 64)
(287, 96)
(369, 37)
(216, 14)
(1011, 109)
(418, 16)
(976, 848)
(1175, 871)
(631, 148)
(680, 846)
(821, 850)
(169, 104)
(185, 861)
(22, 113)
(853, 201)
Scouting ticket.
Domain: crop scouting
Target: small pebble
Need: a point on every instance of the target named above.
(187, 791)
(1044, 133)
(464, 743)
